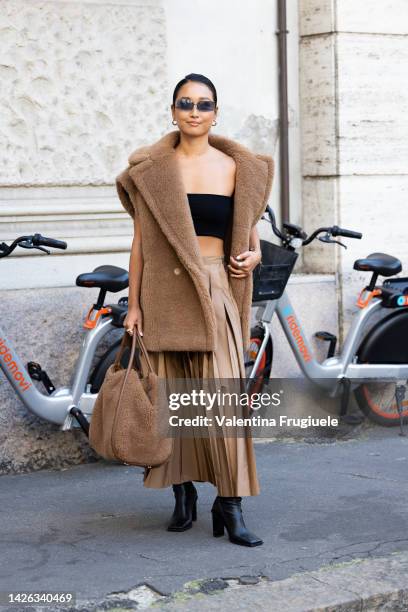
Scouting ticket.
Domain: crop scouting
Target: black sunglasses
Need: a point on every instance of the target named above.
(186, 104)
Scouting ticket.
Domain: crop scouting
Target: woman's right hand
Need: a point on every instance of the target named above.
(134, 317)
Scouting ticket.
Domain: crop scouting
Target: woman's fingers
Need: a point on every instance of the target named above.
(239, 266)
(131, 322)
(243, 265)
(238, 269)
(237, 274)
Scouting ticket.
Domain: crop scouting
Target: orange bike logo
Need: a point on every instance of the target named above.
(12, 366)
(294, 328)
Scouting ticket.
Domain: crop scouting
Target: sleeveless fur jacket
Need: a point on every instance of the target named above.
(178, 314)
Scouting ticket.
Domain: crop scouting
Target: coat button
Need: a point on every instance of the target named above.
(176, 270)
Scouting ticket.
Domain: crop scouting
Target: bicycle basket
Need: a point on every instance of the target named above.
(270, 277)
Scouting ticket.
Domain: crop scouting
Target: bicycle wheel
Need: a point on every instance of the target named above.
(386, 343)
(97, 376)
(377, 401)
(263, 372)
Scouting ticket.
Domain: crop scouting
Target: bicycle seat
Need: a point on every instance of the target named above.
(110, 278)
(384, 264)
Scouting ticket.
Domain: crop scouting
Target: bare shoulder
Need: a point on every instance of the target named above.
(220, 157)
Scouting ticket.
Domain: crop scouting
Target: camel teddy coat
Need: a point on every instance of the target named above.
(178, 313)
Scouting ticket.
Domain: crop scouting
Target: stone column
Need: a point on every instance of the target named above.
(354, 96)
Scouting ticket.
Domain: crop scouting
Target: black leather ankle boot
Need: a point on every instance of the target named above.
(185, 510)
(227, 512)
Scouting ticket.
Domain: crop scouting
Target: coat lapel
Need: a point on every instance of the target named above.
(160, 183)
(155, 172)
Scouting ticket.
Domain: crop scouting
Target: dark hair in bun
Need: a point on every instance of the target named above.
(195, 77)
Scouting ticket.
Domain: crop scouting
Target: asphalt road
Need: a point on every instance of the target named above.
(94, 529)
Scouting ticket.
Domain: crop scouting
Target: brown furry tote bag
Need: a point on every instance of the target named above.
(125, 423)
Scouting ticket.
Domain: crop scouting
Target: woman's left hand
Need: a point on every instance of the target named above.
(243, 264)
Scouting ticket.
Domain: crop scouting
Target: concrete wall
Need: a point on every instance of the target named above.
(354, 92)
(84, 83)
(70, 74)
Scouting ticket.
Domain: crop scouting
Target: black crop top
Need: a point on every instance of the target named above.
(211, 213)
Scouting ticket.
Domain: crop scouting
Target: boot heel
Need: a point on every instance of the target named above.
(227, 513)
(218, 525)
(194, 511)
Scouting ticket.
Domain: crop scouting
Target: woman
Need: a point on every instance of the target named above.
(207, 176)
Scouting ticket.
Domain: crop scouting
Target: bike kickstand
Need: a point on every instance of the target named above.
(399, 397)
(76, 413)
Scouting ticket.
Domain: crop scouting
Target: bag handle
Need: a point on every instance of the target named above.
(135, 335)
(142, 346)
(129, 367)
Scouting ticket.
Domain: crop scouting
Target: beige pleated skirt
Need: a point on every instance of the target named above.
(228, 462)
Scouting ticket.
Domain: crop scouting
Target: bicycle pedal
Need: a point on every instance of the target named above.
(328, 337)
(325, 335)
(34, 369)
(37, 373)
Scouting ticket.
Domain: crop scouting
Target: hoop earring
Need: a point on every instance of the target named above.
(215, 123)
(174, 122)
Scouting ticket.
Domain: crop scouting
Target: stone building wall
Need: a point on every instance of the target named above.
(354, 92)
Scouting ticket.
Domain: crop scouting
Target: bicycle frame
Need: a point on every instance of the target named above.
(56, 406)
(330, 373)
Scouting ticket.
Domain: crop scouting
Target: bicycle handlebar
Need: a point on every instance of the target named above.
(335, 230)
(35, 241)
(51, 242)
(338, 231)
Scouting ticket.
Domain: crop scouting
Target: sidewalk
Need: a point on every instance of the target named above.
(95, 530)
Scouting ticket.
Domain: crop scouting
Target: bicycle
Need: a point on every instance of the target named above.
(373, 362)
(70, 406)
